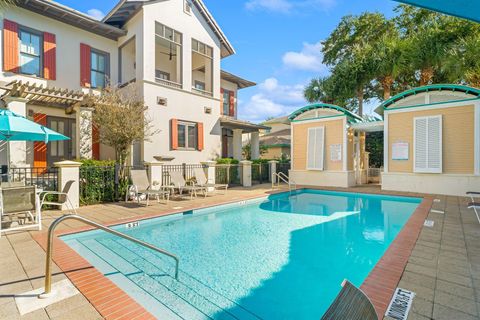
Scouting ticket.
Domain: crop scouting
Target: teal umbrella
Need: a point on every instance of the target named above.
(467, 9)
(14, 127)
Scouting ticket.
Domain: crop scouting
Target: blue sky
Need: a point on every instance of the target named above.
(277, 44)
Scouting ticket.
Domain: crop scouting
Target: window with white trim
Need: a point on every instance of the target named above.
(316, 148)
(187, 135)
(428, 144)
(31, 52)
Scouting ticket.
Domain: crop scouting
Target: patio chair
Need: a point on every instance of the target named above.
(352, 304)
(202, 181)
(181, 185)
(59, 198)
(19, 205)
(141, 186)
(475, 205)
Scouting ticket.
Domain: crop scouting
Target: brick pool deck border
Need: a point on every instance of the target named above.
(113, 303)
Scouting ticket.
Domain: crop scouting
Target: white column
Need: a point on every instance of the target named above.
(255, 145)
(18, 149)
(273, 169)
(155, 174)
(237, 144)
(69, 171)
(84, 134)
(246, 173)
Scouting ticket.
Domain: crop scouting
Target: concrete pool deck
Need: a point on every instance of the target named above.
(443, 267)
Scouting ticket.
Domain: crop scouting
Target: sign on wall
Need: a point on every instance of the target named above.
(400, 151)
(336, 152)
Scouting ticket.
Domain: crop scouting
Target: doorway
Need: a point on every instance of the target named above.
(62, 150)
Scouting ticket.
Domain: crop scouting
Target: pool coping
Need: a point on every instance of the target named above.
(114, 303)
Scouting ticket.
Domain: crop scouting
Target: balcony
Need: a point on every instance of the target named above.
(202, 92)
(168, 83)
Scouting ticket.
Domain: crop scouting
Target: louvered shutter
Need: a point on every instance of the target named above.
(315, 148)
(10, 46)
(221, 100)
(85, 64)
(49, 56)
(231, 109)
(200, 137)
(40, 148)
(174, 134)
(428, 144)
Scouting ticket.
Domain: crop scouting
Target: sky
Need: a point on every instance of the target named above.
(277, 43)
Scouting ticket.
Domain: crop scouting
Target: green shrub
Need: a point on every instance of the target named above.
(227, 161)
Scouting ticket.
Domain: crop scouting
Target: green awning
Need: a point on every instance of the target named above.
(467, 9)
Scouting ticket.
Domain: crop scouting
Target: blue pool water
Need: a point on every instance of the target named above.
(278, 258)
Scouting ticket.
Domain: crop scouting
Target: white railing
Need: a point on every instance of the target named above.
(279, 177)
(202, 92)
(168, 83)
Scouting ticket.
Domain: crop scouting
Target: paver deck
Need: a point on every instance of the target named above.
(442, 266)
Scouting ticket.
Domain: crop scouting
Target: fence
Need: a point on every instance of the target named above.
(44, 178)
(187, 171)
(228, 174)
(283, 168)
(374, 175)
(260, 173)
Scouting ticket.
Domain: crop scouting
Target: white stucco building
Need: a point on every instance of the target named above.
(169, 51)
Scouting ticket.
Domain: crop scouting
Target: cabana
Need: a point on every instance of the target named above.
(432, 140)
(326, 150)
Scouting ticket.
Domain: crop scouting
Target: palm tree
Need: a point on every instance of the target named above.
(463, 63)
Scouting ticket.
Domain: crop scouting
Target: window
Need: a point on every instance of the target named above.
(315, 148)
(227, 100)
(428, 144)
(162, 75)
(202, 66)
(168, 55)
(199, 85)
(187, 135)
(31, 53)
(99, 69)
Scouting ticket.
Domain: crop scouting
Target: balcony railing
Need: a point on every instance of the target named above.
(202, 92)
(169, 83)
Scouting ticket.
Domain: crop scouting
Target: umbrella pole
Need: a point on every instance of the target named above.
(8, 160)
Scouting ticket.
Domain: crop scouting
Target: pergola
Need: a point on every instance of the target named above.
(466, 9)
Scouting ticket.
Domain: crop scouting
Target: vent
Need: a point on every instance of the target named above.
(208, 110)
(162, 101)
(187, 7)
(400, 305)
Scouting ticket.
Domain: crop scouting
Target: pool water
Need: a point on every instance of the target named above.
(281, 257)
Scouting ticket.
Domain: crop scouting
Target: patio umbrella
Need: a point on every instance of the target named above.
(14, 127)
(467, 9)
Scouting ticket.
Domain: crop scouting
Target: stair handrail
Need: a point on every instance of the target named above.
(283, 177)
(51, 229)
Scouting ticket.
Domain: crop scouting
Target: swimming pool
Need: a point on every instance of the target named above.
(281, 257)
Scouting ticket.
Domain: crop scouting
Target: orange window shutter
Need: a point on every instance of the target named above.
(200, 137)
(232, 104)
(95, 143)
(40, 148)
(221, 100)
(10, 46)
(174, 134)
(85, 64)
(49, 56)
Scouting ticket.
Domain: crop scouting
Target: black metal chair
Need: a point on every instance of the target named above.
(352, 304)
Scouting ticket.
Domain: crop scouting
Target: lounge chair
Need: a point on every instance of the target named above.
(202, 181)
(141, 186)
(352, 304)
(181, 185)
(475, 205)
(19, 209)
(60, 198)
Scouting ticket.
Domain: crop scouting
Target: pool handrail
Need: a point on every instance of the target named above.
(283, 177)
(51, 229)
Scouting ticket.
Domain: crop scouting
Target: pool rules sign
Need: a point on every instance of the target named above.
(336, 152)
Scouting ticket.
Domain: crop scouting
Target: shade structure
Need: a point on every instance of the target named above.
(14, 127)
(467, 9)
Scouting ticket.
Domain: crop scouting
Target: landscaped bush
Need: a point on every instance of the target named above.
(227, 161)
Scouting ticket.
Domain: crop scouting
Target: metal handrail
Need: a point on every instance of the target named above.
(283, 177)
(48, 264)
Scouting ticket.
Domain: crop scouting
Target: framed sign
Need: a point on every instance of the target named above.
(336, 152)
(400, 151)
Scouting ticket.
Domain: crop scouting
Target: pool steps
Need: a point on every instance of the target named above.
(186, 298)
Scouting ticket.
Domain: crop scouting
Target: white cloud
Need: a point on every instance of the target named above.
(272, 100)
(96, 14)
(308, 59)
(288, 6)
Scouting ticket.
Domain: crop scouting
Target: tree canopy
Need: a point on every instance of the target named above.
(371, 56)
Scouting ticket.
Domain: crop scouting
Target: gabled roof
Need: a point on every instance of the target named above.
(125, 9)
(241, 83)
(350, 115)
(475, 93)
(72, 17)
